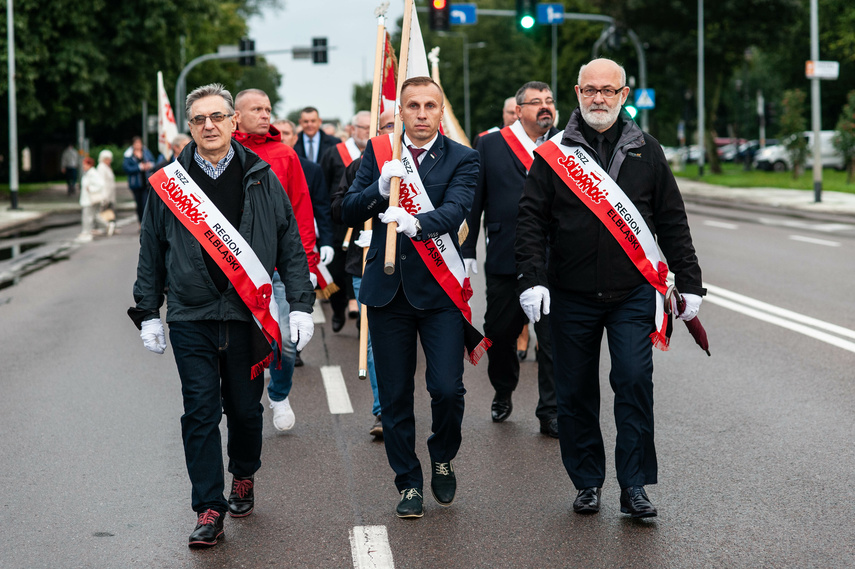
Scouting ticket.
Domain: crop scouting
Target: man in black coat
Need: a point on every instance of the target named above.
(506, 156)
(570, 240)
(312, 143)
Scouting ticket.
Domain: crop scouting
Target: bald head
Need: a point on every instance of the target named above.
(601, 92)
(509, 111)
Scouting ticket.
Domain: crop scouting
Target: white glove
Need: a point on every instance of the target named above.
(471, 265)
(314, 278)
(531, 300)
(302, 328)
(152, 335)
(406, 222)
(693, 304)
(364, 239)
(327, 254)
(391, 169)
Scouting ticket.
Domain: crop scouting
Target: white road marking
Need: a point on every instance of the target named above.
(815, 241)
(781, 317)
(720, 224)
(824, 227)
(318, 313)
(369, 546)
(337, 397)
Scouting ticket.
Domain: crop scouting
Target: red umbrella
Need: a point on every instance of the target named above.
(696, 329)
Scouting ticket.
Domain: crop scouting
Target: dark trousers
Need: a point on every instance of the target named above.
(140, 197)
(214, 362)
(503, 323)
(577, 331)
(339, 300)
(393, 329)
(71, 179)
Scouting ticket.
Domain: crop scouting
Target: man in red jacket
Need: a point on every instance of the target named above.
(252, 116)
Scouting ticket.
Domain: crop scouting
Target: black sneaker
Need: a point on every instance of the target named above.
(242, 498)
(443, 484)
(411, 504)
(209, 528)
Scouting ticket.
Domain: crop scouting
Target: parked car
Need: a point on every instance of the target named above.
(777, 157)
(748, 150)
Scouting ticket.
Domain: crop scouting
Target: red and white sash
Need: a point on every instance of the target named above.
(326, 286)
(348, 151)
(438, 254)
(226, 246)
(601, 194)
(521, 145)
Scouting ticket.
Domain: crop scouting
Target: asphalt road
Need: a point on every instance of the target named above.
(755, 443)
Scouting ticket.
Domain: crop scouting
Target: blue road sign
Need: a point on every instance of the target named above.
(550, 13)
(645, 99)
(464, 14)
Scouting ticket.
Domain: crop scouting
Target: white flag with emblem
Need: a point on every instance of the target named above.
(166, 128)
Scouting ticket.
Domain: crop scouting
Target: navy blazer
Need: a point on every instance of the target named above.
(325, 143)
(320, 200)
(497, 195)
(450, 173)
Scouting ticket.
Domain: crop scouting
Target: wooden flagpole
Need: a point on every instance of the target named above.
(379, 62)
(394, 192)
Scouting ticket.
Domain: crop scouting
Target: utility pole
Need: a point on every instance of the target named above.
(816, 121)
(701, 118)
(13, 108)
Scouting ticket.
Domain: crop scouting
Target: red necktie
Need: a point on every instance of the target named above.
(416, 152)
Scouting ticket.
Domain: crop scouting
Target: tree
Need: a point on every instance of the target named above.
(793, 125)
(844, 140)
(362, 96)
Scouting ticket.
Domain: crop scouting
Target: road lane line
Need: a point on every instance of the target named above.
(318, 313)
(369, 546)
(337, 397)
(813, 226)
(720, 224)
(815, 241)
(782, 312)
(800, 328)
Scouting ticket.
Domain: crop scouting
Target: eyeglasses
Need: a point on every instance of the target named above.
(199, 120)
(538, 102)
(608, 92)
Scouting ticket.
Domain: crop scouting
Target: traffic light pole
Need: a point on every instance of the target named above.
(181, 83)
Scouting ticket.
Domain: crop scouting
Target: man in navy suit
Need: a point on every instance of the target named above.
(506, 156)
(313, 142)
(411, 301)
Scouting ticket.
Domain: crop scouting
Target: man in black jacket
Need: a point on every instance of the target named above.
(219, 349)
(506, 156)
(594, 285)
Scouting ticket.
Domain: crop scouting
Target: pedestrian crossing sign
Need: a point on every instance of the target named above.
(645, 99)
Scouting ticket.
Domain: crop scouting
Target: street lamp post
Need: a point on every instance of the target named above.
(13, 108)
(701, 118)
(467, 120)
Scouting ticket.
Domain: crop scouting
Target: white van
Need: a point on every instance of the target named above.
(777, 157)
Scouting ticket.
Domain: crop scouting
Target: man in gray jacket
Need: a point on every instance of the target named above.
(211, 242)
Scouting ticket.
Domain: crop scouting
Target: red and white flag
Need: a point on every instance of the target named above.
(389, 78)
(166, 127)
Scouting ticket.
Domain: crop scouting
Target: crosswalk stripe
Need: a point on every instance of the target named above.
(369, 546)
(337, 397)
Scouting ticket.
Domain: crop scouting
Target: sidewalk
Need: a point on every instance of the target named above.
(36, 205)
(53, 199)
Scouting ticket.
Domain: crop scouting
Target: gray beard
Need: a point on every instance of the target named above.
(598, 122)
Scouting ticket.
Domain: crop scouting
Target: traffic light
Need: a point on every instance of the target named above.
(440, 15)
(319, 55)
(525, 14)
(631, 110)
(247, 44)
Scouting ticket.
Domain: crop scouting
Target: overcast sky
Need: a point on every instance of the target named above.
(351, 30)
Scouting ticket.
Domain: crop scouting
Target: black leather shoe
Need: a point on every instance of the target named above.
(298, 361)
(411, 504)
(501, 408)
(634, 501)
(549, 427)
(587, 501)
(443, 484)
(209, 528)
(337, 322)
(242, 498)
